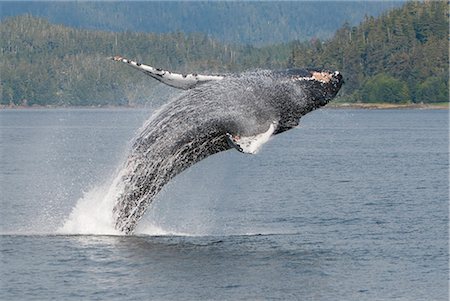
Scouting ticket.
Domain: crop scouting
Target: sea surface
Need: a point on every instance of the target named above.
(351, 205)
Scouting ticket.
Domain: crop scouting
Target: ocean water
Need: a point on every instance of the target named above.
(352, 205)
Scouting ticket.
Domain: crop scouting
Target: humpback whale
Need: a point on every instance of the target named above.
(215, 113)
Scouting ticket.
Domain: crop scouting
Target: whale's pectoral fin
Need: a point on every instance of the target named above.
(180, 81)
(250, 144)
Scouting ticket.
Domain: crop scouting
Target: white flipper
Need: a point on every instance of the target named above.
(176, 80)
(251, 144)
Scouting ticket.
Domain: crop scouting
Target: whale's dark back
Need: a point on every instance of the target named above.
(194, 126)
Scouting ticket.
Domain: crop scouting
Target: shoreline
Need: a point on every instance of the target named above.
(332, 105)
(51, 107)
(388, 106)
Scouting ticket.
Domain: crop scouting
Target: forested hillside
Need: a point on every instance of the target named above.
(400, 57)
(243, 22)
(44, 64)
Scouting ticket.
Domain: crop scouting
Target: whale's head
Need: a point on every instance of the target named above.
(319, 86)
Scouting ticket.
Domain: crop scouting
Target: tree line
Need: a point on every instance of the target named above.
(402, 56)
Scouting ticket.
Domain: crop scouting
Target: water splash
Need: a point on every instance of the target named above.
(92, 213)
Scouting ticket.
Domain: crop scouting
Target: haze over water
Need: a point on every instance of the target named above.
(352, 205)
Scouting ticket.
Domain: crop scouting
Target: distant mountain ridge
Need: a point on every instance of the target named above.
(243, 22)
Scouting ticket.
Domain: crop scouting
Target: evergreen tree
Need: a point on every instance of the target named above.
(385, 88)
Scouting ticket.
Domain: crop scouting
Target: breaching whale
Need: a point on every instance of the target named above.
(214, 114)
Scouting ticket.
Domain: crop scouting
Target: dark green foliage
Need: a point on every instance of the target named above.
(433, 89)
(385, 88)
